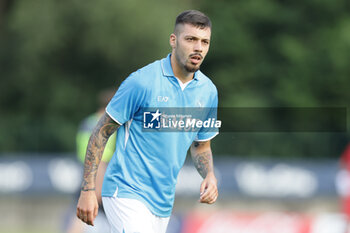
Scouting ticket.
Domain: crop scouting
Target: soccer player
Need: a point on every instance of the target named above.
(139, 184)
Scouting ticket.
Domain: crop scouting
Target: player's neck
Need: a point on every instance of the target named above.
(180, 72)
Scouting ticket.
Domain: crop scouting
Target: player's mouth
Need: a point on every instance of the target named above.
(196, 58)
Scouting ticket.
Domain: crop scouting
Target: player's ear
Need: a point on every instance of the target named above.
(172, 40)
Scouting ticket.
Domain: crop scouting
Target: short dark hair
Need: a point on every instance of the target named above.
(193, 17)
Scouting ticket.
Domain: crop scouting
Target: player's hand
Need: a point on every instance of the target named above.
(87, 207)
(209, 190)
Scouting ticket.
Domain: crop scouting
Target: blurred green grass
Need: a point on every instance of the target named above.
(33, 214)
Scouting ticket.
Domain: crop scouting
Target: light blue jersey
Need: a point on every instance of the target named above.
(145, 165)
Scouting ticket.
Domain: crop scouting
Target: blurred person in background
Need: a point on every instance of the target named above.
(139, 185)
(84, 132)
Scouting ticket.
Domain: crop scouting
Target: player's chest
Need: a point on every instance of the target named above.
(176, 97)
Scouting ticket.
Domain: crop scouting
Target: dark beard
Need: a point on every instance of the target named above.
(191, 69)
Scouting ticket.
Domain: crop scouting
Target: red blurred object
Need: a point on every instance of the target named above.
(345, 164)
(228, 222)
(345, 158)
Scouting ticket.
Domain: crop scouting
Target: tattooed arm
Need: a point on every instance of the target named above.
(203, 161)
(87, 207)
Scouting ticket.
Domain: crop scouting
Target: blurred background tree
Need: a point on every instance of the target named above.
(273, 53)
(55, 56)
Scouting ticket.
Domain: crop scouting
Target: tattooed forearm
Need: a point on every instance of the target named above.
(97, 142)
(203, 163)
(202, 158)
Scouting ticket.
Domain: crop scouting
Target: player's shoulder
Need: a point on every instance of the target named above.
(143, 77)
(207, 82)
(152, 68)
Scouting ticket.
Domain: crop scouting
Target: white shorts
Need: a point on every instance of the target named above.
(127, 215)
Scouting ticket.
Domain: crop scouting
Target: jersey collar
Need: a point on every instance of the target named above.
(168, 70)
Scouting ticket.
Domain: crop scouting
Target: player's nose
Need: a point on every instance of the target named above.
(198, 46)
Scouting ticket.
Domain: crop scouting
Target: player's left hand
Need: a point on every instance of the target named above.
(209, 190)
(87, 207)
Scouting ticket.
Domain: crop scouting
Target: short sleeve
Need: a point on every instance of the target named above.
(206, 134)
(127, 100)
